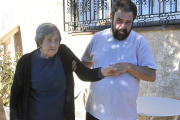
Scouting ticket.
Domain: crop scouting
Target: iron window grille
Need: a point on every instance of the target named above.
(93, 15)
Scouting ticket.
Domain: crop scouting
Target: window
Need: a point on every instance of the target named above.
(93, 15)
(157, 12)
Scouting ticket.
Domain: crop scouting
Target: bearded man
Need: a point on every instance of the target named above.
(114, 98)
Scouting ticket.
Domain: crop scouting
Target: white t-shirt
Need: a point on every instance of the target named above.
(114, 98)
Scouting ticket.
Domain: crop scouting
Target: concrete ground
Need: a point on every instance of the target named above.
(79, 108)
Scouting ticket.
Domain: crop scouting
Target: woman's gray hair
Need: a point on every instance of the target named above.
(43, 30)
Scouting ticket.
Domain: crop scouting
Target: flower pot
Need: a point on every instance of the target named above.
(7, 112)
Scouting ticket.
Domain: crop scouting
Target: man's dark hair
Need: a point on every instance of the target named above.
(124, 5)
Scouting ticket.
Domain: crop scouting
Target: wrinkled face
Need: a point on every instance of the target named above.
(50, 45)
(121, 24)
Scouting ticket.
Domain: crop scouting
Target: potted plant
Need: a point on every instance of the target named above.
(7, 69)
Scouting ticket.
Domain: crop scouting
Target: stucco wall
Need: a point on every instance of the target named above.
(165, 45)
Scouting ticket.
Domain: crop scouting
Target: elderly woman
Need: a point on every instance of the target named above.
(43, 87)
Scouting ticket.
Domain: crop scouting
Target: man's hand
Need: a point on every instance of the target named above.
(74, 66)
(121, 68)
(108, 71)
(143, 73)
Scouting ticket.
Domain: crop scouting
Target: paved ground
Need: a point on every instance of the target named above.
(79, 108)
(80, 116)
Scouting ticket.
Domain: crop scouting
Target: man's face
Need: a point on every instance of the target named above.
(121, 24)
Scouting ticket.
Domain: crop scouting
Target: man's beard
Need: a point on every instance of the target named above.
(117, 35)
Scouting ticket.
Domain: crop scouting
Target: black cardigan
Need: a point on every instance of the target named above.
(20, 90)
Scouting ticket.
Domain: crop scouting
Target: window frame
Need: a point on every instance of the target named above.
(165, 18)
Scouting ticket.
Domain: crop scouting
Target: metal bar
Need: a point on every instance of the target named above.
(83, 10)
(159, 8)
(111, 3)
(141, 7)
(149, 8)
(176, 6)
(171, 6)
(97, 9)
(86, 10)
(74, 4)
(102, 1)
(152, 6)
(71, 11)
(78, 10)
(164, 6)
(64, 14)
(94, 10)
(90, 11)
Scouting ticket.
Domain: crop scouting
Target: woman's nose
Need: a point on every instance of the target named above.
(53, 43)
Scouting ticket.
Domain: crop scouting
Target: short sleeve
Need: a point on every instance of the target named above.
(145, 56)
(87, 54)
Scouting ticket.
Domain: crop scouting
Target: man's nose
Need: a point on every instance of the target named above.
(123, 25)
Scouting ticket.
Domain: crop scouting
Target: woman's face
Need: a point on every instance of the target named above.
(50, 45)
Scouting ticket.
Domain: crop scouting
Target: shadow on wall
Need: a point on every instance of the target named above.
(165, 46)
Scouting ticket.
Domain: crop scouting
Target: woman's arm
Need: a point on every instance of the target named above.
(85, 73)
(107, 71)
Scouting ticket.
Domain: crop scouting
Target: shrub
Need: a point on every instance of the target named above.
(7, 69)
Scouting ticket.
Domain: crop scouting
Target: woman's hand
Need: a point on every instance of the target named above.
(74, 66)
(108, 71)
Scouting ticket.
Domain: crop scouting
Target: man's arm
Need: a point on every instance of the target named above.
(143, 73)
(88, 64)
